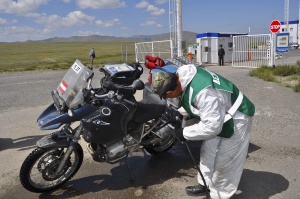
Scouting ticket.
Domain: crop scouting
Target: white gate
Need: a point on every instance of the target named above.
(251, 51)
(163, 49)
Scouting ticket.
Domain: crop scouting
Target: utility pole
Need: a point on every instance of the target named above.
(179, 26)
(175, 22)
(299, 26)
(286, 14)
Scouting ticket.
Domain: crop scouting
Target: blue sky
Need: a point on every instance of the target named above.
(22, 20)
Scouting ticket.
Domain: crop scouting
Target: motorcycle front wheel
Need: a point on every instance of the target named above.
(38, 171)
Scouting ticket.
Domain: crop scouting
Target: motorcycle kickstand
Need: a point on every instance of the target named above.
(128, 169)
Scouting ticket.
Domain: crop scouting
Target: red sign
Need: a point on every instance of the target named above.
(275, 26)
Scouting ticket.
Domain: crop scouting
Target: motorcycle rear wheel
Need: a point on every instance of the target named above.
(37, 173)
(162, 147)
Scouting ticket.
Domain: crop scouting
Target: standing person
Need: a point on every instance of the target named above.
(221, 54)
(225, 123)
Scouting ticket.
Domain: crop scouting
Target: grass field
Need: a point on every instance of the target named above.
(56, 56)
(285, 75)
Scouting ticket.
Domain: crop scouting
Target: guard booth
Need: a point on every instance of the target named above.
(208, 46)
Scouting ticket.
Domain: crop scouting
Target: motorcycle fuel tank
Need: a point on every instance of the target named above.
(108, 124)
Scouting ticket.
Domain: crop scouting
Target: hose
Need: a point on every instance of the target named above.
(198, 168)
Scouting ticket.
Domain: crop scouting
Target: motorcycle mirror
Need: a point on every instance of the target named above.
(92, 53)
(138, 84)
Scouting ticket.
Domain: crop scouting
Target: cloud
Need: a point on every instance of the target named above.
(3, 21)
(87, 33)
(142, 4)
(161, 1)
(77, 17)
(21, 6)
(158, 12)
(53, 22)
(67, 1)
(20, 33)
(155, 10)
(109, 23)
(100, 4)
(148, 23)
(151, 23)
(150, 8)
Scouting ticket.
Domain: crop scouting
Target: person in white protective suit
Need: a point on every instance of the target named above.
(225, 121)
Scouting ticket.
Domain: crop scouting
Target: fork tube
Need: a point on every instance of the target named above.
(69, 150)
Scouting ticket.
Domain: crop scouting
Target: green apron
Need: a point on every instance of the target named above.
(203, 79)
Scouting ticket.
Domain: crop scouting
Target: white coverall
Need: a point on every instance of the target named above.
(221, 159)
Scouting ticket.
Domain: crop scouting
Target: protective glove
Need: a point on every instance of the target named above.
(179, 135)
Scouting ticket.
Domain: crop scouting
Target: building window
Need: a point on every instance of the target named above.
(291, 29)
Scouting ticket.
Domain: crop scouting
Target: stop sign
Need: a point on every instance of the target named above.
(275, 26)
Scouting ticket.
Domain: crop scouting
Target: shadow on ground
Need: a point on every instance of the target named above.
(21, 144)
(260, 184)
(103, 180)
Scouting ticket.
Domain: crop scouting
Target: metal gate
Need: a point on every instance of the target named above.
(251, 51)
(128, 53)
(163, 49)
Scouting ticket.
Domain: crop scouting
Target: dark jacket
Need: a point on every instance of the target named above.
(221, 52)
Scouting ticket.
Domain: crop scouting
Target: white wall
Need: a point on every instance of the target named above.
(293, 30)
(207, 51)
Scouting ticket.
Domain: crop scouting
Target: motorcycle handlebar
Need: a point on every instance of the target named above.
(129, 102)
(110, 94)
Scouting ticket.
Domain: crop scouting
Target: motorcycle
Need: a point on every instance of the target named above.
(109, 118)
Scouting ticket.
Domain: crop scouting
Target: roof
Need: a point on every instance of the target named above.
(216, 34)
(290, 22)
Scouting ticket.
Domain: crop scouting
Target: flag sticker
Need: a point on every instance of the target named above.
(62, 87)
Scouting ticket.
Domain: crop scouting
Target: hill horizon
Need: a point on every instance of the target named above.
(186, 36)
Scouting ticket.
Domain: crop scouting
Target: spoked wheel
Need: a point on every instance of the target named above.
(38, 172)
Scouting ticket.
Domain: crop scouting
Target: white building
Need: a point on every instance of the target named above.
(208, 45)
(293, 30)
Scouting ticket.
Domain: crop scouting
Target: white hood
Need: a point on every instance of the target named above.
(186, 74)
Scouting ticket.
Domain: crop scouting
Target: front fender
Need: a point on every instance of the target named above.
(56, 139)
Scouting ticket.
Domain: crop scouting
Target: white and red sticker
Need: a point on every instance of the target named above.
(62, 87)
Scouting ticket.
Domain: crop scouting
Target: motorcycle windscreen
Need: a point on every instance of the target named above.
(70, 87)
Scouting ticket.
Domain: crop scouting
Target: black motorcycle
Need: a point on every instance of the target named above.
(109, 119)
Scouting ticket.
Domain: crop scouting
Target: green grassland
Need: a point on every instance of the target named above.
(56, 56)
(285, 75)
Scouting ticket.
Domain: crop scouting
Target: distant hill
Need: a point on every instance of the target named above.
(186, 36)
